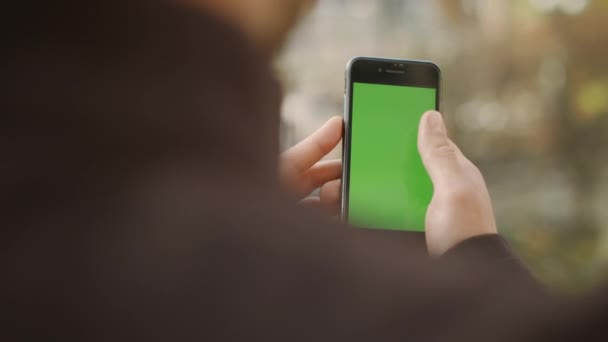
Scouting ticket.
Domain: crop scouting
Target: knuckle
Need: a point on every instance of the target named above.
(444, 149)
(462, 195)
(474, 170)
(441, 149)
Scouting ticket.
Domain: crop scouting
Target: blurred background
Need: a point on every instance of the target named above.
(525, 91)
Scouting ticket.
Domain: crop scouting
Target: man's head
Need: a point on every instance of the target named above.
(266, 22)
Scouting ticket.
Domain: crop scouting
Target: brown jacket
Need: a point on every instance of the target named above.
(139, 202)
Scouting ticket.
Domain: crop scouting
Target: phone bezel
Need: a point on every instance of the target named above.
(365, 70)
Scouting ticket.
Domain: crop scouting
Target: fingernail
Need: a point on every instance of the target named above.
(435, 122)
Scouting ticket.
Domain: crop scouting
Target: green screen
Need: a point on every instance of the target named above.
(388, 185)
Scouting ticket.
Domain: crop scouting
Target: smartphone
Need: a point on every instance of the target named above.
(385, 185)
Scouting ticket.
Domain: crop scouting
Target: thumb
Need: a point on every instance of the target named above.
(438, 152)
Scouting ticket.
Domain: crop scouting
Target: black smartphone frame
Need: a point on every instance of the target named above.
(374, 70)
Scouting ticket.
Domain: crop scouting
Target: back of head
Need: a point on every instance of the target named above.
(89, 85)
(124, 123)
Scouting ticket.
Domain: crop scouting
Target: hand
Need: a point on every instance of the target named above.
(461, 207)
(301, 170)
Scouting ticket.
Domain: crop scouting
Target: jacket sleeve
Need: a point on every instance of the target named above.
(494, 251)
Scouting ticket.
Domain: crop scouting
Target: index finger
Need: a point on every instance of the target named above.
(312, 149)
